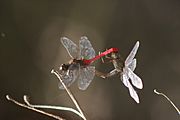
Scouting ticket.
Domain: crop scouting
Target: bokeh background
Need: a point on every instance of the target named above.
(30, 47)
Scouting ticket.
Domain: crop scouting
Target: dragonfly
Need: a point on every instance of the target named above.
(80, 66)
(126, 71)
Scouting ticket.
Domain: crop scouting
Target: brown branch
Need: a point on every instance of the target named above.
(159, 93)
(69, 93)
(32, 108)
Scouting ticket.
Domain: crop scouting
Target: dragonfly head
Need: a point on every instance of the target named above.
(64, 67)
(114, 55)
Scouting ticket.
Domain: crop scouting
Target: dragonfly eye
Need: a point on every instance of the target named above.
(60, 68)
(74, 60)
(63, 67)
(113, 55)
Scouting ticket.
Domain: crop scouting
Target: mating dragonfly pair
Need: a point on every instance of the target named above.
(80, 66)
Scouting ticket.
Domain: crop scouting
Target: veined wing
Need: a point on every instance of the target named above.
(70, 46)
(136, 81)
(132, 54)
(68, 77)
(132, 92)
(85, 77)
(132, 65)
(86, 49)
(124, 79)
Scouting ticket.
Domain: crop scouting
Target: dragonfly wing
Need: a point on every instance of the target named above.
(132, 92)
(125, 79)
(85, 77)
(132, 54)
(132, 65)
(86, 49)
(69, 77)
(70, 46)
(136, 81)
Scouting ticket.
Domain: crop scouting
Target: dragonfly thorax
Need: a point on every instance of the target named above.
(117, 62)
(72, 64)
(77, 61)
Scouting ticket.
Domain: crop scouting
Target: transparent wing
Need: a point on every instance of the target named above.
(68, 77)
(85, 77)
(70, 46)
(132, 65)
(124, 79)
(132, 54)
(136, 81)
(86, 49)
(132, 92)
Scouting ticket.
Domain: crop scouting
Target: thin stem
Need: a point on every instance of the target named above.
(159, 93)
(26, 100)
(69, 93)
(32, 108)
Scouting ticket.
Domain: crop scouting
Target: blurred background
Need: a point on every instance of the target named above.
(30, 47)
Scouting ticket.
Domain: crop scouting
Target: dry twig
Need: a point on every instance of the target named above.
(32, 108)
(159, 93)
(70, 95)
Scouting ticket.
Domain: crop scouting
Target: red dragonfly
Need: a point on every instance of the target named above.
(80, 64)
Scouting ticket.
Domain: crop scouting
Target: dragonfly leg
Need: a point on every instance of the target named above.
(106, 75)
(113, 72)
(102, 60)
(101, 74)
(106, 60)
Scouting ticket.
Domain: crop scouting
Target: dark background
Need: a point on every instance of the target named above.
(30, 47)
